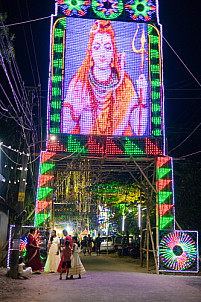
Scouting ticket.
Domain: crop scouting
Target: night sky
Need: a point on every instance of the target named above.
(181, 27)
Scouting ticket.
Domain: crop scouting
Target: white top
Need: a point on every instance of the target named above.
(20, 268)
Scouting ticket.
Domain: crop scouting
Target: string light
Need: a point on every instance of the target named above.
(15, 150)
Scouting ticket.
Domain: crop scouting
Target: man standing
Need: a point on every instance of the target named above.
(84, 245)
(89, 244)
(98, 244)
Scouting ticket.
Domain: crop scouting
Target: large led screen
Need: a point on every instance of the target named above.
(106, 78)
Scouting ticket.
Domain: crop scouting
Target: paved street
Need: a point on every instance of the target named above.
(107, 279)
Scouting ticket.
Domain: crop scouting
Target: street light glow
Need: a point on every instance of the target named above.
(139, 216)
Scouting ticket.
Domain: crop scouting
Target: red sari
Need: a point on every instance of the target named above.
(60, 264)
(34, 259)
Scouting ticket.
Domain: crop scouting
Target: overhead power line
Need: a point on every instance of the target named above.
(29, 21)
(182, 61)
(186, 138)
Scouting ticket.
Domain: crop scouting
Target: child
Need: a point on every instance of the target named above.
(66, 259)
(77, 266)
(23, 272)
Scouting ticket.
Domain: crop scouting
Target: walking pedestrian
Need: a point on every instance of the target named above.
(98, 244)
(66, 259)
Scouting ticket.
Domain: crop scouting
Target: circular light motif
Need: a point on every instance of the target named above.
(178, 251)
(107, 9)
(140, 9)
(74, 7)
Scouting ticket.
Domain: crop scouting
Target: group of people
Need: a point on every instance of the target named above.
(87, 244)
(69, 262)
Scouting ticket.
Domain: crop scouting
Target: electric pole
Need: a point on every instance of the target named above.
(18, 222)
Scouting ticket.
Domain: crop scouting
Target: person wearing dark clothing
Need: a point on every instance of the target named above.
(66, 259)
(84, 245)
(89, 244)
(98, 244)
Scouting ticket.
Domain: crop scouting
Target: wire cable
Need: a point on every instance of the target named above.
(190, 154)
(29, 21)
(19, 164)
(182, 62)
(34, 50)
(186, 138)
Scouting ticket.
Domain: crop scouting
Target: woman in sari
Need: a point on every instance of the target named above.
(33, 251)
(66, 237)
(101, 99)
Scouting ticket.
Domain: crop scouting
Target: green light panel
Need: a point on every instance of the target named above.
(162, 172)
(166, 222)
(46, 167)
(74, 145)
(164, 196)
(132, 148)
(155, 62)
(56, 97)
(165, 193)
(41, 218)
(43, 192)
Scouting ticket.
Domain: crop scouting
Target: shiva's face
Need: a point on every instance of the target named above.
(102, 51)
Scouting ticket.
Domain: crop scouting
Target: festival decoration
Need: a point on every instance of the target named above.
(178, 251)
(128, 146)
(23, 246)
(23, 242)
(107, 9)
(144, 10)
(44, 191)
(77, 8)
(165, 193)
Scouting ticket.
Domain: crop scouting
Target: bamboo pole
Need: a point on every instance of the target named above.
(141, 248)
(147, 243)
(152, 241)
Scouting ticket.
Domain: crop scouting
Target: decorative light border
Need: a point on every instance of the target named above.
(44, 189)
(128, 10)
(178, 251)
(77, 8)
(107, 146)
(10, 241)
(57, 79)
(156, 88)
(165, 188)
(141, 10)
(108, 9)
(57, 75)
